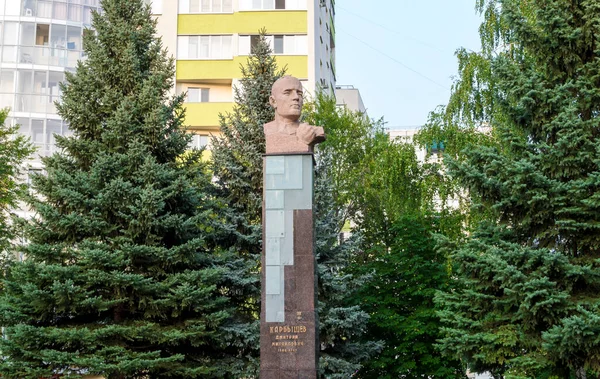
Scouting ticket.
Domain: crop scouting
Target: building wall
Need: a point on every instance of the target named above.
(39, 41)
(349, 97)
(210, 44)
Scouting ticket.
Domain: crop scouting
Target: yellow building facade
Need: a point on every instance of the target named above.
(210, 39)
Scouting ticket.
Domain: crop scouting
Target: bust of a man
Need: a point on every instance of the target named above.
(286, 134)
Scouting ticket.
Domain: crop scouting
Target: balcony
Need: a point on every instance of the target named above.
(249, 22)
(195, 70)
(205, 116)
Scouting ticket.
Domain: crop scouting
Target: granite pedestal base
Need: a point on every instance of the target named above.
(289, 323)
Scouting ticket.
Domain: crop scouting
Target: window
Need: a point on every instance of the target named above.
(156, 6)
(204, 47)
(42, 34)
(280, 44)
(198, 141)
(44, 8)
(206, 6)
(198, 95)
(247, 5)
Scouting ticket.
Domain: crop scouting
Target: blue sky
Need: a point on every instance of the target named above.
(400, 53)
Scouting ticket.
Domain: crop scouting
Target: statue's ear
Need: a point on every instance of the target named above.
(272, 102)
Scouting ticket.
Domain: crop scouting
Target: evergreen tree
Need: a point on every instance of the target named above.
(529, 278)
(14, 150)
(399, 299)
(122, 278)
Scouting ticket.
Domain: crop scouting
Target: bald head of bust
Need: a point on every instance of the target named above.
(287, 98)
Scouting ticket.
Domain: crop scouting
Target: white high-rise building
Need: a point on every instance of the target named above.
(39, 41)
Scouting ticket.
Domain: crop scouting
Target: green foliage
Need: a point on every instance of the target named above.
(399, 299)
(528, 278)
(345, 344)
(379, 183)
(373, 177)
(14, 150)
(122, 277)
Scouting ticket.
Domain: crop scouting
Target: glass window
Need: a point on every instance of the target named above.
(198, 95)
(226, 51)
(44, 8)
(27, 33)
(58, 36)
(23, 125)
(60, 11)
(216, 48)
(253, 42)
(42, 34)
(203, 47)
(278, 48)
(195, 6)
(37, 133)
(12, 8)
(40, 82)
(205, 6)
(24, 81)
(52, 128)
(28, 9)
(74, 13)
(11, 33)
(279, 4)
(7, 81)
(193, 47)
(74, 38)
(87, 15)
(198, 141)
(54, 78)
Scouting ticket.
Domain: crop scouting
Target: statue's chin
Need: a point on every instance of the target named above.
(292, 115)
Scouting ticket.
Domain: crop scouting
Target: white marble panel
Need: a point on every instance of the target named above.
(275, 224)
(273, 280)
(273, 251)
(275, 165)
(274, 199)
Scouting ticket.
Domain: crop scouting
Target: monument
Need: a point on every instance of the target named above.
(289, 325)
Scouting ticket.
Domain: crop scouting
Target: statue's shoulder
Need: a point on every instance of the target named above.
(270, 127)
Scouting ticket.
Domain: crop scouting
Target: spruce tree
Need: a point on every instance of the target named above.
(121, 277)
(529, 279)
(14, 150)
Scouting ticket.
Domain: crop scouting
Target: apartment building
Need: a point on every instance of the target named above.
(349, 97)
(39, 41)
(210, 39)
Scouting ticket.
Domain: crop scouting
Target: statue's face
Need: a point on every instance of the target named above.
(287, 97)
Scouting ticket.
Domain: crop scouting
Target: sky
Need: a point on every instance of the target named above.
(400, 53)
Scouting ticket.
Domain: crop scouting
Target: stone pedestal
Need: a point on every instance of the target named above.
(288, 327)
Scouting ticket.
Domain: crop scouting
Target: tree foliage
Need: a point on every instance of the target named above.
(529, 277)
(14, 150)
(399, 298)
(381, 183)
(122, 277)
